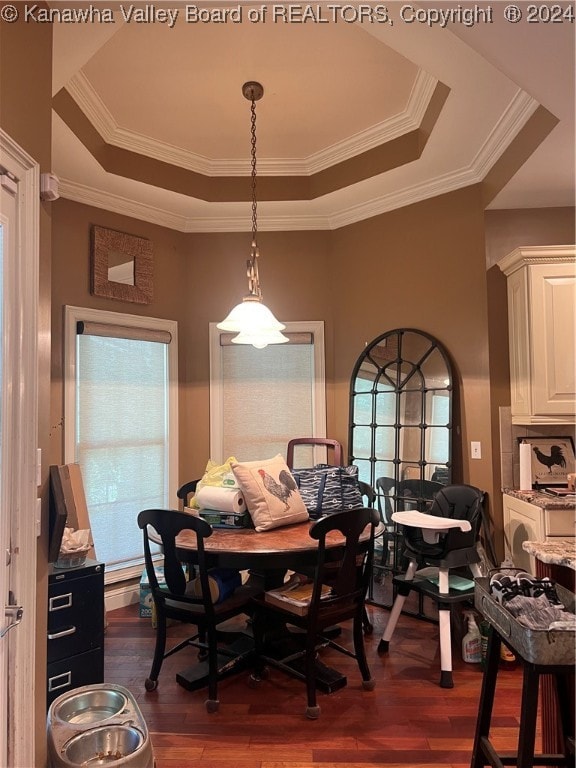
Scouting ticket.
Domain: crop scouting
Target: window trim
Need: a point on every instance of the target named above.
(74, 315)
(314, 327)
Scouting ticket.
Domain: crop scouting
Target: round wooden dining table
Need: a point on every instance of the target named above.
(267, 555)
(290, 547)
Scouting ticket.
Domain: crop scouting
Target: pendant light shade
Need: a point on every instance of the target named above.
(251, 313)
(251, 319)
(260, 339)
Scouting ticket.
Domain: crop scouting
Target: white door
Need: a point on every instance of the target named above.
(7, 215)
(19, 217)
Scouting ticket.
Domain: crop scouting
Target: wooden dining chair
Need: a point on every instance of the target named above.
(185, 491)
(344, 576)
(368, 494)
(177, 599)
(325, 442)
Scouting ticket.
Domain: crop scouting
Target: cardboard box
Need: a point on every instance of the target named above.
(219, 519)
(146, 601)
(70, 499)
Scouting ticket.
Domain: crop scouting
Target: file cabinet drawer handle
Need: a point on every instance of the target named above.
(59, 681)
(54, 602)
(64, 633)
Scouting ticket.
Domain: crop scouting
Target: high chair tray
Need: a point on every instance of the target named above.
(538, 646)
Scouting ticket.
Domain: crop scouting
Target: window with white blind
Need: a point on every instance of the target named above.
(121, 425)
(261, 398)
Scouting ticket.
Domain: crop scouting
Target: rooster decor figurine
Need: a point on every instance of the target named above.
(281, 490)
(556, 457)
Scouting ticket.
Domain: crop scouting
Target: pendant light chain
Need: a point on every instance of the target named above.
(251, 320)
(254, 202)
(252, 266)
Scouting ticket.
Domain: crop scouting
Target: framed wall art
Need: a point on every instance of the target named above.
(122, 266)
(552, 459)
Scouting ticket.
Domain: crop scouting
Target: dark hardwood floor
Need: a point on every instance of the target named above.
(407, 721)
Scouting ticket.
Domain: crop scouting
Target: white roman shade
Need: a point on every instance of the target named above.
(261, 398)
(122, 401)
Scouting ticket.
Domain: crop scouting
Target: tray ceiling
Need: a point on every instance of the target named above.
(356, 119)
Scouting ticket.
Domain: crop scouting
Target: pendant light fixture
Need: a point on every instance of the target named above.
(251, 320)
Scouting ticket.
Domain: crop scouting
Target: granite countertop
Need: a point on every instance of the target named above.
(557, 552)
(541, 499)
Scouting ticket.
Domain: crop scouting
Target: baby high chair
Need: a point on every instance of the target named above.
(442, 538)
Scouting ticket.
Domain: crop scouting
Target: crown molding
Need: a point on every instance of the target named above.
(80, 193)
(448, 182)
(88, 100)
(514, 117)
(537, 254)
(381, 133)
(97, 198)
(269, 224)
(517, 113)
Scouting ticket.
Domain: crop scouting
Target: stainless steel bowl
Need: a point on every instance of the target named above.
(105, 745)
(91, 706)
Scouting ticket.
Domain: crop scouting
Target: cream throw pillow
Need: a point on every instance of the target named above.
(270, 492)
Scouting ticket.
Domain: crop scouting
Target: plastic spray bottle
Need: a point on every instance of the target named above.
(471, 642)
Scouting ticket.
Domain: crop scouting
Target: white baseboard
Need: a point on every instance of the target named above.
(118, 597)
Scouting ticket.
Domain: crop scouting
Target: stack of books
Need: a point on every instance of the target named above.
(294, 596)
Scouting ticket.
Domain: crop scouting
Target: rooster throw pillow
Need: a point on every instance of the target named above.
(270, 492)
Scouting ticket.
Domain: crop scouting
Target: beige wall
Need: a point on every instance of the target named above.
(510, 229)
(25, 115)
(71, 285)
(420, 267)
(197, 279)
(361, 280)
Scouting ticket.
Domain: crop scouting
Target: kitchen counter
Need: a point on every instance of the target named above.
(540, 499)
(555, 559)
(535, 517)
(557, 552)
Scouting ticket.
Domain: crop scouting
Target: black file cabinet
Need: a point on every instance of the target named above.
(75, 628)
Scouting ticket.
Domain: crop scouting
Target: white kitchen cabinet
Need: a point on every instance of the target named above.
(542, 333)
(524, 521)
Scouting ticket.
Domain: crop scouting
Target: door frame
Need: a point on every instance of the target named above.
(21, 372)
